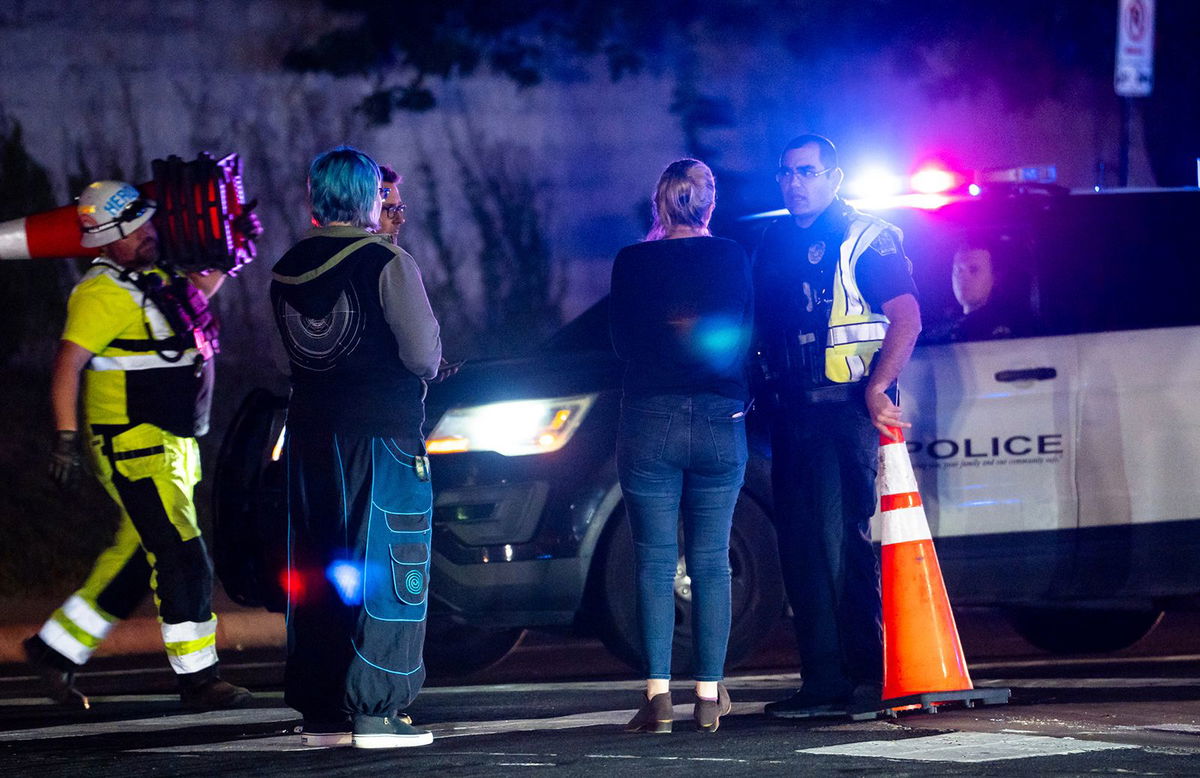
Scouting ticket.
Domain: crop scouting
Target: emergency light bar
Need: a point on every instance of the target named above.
(1030, 174)
(932, 185)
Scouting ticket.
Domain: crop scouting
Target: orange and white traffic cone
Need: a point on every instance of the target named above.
(923, 662)
(53, 234)
(199, 203)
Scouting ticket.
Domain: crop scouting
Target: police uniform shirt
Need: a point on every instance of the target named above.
(794, 273)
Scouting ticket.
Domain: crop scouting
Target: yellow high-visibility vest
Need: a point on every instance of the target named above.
(855, 332)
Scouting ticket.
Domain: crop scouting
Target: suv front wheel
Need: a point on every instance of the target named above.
(1080, 631)
(755, 587)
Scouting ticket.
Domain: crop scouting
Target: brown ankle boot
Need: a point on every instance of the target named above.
(708, 713)
(655, 715)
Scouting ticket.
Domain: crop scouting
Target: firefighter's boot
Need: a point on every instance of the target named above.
(56, 672)
(214, 694)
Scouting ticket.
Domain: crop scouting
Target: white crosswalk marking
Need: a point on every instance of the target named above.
(181, 721)
(1016, 734)
(442, 731)
(966, 747)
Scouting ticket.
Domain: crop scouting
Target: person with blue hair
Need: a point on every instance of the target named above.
(362, 341)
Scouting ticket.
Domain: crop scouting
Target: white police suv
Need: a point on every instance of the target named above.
(1058, 445)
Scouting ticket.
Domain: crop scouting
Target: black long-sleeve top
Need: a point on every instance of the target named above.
(681, 314)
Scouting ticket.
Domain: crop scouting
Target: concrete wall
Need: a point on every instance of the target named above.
(120, 83)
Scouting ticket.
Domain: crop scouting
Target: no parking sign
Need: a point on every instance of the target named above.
(1134, 76)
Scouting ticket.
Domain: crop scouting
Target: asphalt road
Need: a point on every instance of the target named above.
(557, 704)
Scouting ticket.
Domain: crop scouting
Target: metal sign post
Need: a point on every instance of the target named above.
(1134, 73)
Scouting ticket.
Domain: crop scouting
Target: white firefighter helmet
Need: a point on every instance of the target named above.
(110, 210)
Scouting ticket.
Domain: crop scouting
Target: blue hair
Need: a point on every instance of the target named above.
(343, 184)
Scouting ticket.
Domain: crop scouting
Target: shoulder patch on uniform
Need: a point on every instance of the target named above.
(885, 243)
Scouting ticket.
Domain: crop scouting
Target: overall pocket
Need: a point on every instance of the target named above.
(396, 563)
(410, 572)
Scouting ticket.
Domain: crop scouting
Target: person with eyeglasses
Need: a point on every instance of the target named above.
(144, 340)
(391, 215)
(836, 322)
(391, 220)
(362, 341)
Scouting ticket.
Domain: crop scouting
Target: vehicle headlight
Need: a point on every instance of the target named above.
(513, 428)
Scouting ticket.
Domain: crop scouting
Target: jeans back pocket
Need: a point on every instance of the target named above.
(729, 438)
(642, 435)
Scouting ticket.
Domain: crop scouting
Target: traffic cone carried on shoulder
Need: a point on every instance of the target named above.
(923, 662)
(50, 234)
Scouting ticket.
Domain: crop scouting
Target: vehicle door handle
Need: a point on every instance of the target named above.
(1030, 374)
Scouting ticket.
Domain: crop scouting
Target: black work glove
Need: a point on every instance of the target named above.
(445, 370)
(247, 222)
(66, 463)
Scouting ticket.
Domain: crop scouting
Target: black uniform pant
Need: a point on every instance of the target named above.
(359, 530)
(824, 459)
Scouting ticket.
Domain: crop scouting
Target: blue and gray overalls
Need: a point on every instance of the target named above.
(360, 337)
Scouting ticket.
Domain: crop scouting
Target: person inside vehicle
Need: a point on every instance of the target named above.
(984, 285)
(681, 314)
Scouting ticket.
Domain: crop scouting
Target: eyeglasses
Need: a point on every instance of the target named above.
(394, 210)
(806, 173)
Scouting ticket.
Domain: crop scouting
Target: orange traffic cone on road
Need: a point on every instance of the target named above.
(923, 662)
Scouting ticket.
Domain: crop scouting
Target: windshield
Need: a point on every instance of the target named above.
(586, 332)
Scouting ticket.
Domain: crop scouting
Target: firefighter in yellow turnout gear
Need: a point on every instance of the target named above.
(144, 339)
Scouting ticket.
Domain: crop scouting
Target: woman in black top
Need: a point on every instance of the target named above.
(681, 312)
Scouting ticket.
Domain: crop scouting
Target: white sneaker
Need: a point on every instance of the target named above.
(389, 732)
(325, 734)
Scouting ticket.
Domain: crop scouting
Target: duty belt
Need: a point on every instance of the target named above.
(836, 393)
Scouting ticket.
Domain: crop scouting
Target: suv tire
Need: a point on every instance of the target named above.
(453, 649)
(1080, 631)
(755, 590)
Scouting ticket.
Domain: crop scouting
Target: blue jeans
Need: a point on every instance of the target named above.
(682, 456)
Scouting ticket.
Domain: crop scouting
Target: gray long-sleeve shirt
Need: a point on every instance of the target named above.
(409, 315)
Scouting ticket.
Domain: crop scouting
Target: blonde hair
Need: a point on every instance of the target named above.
(684, 197)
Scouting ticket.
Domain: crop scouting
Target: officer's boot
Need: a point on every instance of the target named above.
(56, 672)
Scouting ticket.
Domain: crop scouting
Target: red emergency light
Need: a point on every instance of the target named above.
(935, 178)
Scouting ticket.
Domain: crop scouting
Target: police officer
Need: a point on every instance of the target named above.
(837, 318)
(144, 340)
